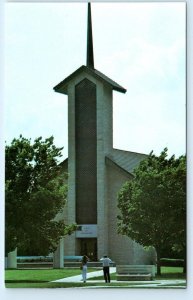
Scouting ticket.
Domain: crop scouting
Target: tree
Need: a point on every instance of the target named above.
(153, 204)
(35, 192)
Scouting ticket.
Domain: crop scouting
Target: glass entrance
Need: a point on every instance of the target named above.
(89, 247)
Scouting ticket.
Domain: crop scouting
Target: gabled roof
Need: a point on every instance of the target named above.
(126, 160)
(110, 162)
(62, 86)
(64, 164)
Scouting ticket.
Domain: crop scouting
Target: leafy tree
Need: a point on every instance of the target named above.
(153, 204)
(35, 193)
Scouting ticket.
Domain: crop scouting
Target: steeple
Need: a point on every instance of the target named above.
(90, 55)
(89, 69)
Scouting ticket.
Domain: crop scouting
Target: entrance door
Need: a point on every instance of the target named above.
(89, 248)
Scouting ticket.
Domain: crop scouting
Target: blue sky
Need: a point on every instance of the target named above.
(139, 45)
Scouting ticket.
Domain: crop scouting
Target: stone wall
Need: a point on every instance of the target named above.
(121, 248)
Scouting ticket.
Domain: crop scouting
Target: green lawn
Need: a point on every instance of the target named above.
(40, 275)
(166, 270)
(167, 273)
(41, 278)
(171, 273)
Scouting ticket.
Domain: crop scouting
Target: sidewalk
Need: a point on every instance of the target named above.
(78, 278)
(138, 284)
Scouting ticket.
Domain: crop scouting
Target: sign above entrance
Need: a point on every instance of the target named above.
(86, 231)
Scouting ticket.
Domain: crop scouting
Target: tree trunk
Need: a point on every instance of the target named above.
(185, 265)
(158, 263)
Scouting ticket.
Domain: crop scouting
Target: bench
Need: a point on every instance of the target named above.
(74, 258)
(39, 258)
(135, 272)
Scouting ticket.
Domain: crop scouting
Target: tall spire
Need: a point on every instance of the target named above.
(90, 55)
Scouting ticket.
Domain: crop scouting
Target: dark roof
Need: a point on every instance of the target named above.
(64, 164)
(62, 86)
(90, 52)
(126, 160)
(110, 162)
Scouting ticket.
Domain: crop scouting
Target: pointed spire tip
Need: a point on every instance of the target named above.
(90, 53)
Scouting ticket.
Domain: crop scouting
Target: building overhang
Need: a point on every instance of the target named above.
(62, 87)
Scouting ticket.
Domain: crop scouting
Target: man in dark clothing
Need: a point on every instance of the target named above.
(106, 264)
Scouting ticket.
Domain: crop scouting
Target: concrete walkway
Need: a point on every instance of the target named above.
(138, 284)
(78, 278)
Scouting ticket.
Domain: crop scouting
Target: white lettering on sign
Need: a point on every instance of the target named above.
(86, 230)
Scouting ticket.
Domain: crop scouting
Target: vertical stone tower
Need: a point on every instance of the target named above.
(89, 141)
(96, 170)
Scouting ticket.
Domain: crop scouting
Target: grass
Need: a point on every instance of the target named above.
(41, 278)
(167, 273)
(39, 275)
(170, 270)
(171, 273)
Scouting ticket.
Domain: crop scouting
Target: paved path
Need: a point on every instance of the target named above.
(141, 284)
(78, 278)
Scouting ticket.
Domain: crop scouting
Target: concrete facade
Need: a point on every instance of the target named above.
(11, 260)
(114, 168)
(108, 168)
(121, 248)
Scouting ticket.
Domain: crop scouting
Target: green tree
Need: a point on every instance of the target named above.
(35, 193)
(153, 204)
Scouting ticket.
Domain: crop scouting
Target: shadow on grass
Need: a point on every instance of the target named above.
(164, 276)
(25, 281)
(170, 276)
(90, 285)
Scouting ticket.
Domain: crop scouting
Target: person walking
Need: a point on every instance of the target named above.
(106, 264)
(84, 261)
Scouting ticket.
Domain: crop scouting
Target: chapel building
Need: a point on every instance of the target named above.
(96, 171)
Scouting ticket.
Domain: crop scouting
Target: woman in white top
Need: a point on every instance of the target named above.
(84, 261)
